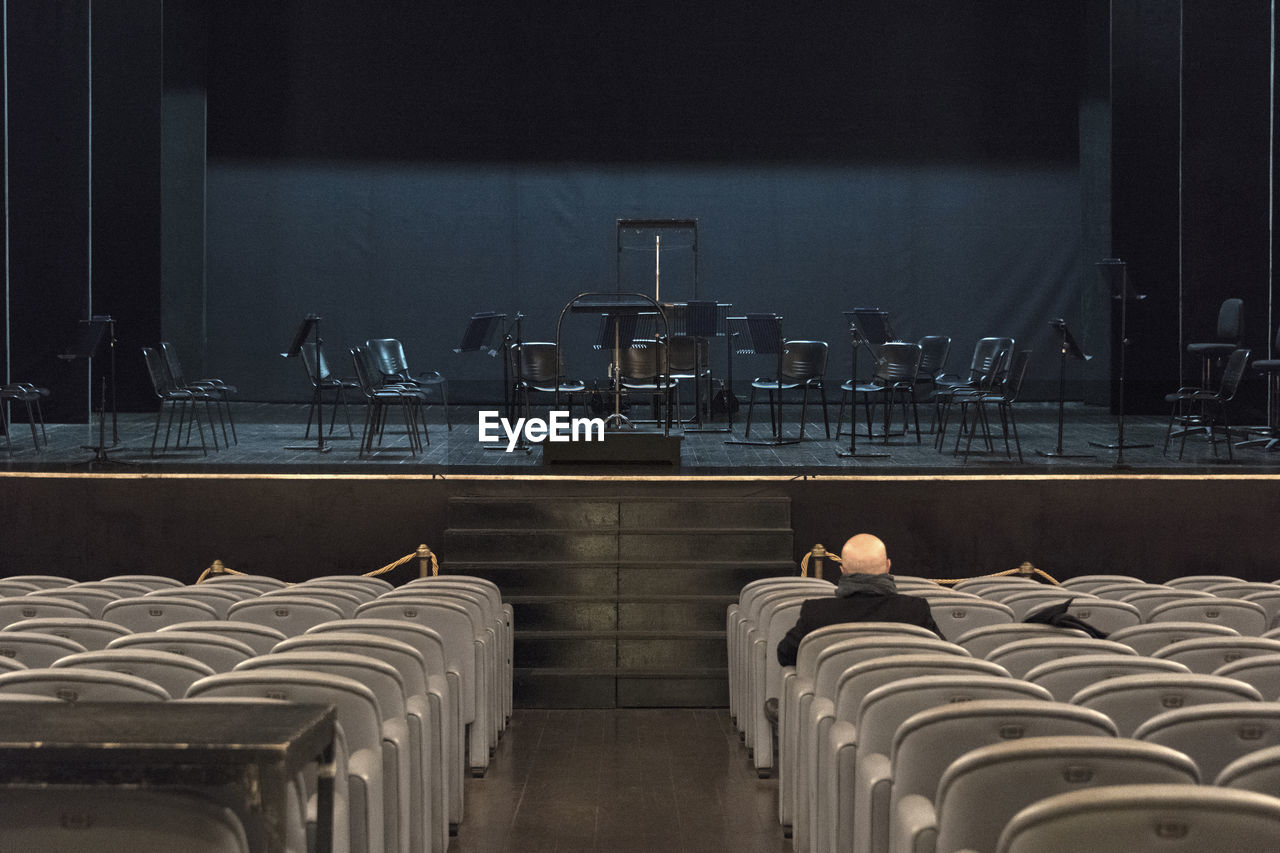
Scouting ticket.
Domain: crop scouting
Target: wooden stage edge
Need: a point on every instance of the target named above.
(293, 526)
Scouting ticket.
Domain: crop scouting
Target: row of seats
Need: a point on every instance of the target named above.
(875, 717)
(420, 675)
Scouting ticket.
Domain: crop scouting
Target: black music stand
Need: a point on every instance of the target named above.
(310, 328)
(861, 319)
(93, 335)
(618, 329)
(1116, 274)
(478, 336)
(765, 331)
(1068, 348)
(874, 325)
(701, 319)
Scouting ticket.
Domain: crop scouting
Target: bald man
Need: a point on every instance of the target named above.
(866, 593)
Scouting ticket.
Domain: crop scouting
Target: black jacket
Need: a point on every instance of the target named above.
(860, 607)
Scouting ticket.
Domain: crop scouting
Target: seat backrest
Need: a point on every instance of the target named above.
(1216, 734)
(1024, 603)
(220, 653)
(82, 685)
(345, 601)
(426, 641)
(382, 678)
(93, 598)
(42, 581)
(687, 354)
(1148, 599)
(407, 660)
(1065, 677)
(537, 363)
(1021, 656)
(90, 633)
(289, 614)
(1268, 600)
(804, 361)
(1131, 700)
(1106, 616)
(1258, 770)
(152, 612)
(10, 588)
(1011, 386)
(379, 585)
(1086, 583)
(1200, 581)
(899, 362)
(956, 616)
(260, 638)
(857, 681)
(366, 369)
(776, 622)
(175, 673)
(1230, 326)
(984, 789)
(981, 585)
(934, 350)
(1233, 373)
(1123, 819)
(1117, 591)
(1262, 671)
(219, 599)
(1147, 638)
(35, 650)
(1246, 617)
(813, 643)
(1208, 654)
(117, 819)
(158, 373)
(361, 592)
(454, 625)
(927, 742)
(309, 352)
(884, 708)
(263, 582)
(389, 357)
(835, 659)
(981, 642)
(17, 608)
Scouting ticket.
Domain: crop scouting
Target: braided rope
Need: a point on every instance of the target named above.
(422, 553)
(1026, 569)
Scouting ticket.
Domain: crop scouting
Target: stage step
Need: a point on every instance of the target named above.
(619, 601)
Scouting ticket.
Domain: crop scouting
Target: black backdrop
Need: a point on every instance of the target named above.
(398, 166)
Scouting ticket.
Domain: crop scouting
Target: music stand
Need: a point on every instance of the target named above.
(874, 325)
(765, 335)
(859, 320)
(1116, 273)
(478, 336)
(310, 328)
(92, 335)
(1067, 348)
(702, 319)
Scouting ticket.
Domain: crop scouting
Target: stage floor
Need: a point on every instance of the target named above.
(270, 434)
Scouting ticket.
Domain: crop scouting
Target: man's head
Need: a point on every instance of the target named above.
(864, 554)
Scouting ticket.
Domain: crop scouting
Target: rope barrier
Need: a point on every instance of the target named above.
(819, 553)
(428, 566)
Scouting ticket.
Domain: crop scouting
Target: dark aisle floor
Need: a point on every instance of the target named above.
(621, 781)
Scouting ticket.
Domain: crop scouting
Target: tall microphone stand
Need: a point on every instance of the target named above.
(1068, 347)
(856, 340)
(1119, 285)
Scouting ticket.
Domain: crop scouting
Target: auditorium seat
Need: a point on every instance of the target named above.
(1257, 771)
(464, 656)
(954, 616)
(90, 633)
(261, 582)
(358, 808)
(1117, 591)
(289, 614)
(1087, 583)
(1065, 677)
(1239, 589)
(15, 588)
(42, 581)
(1105, 615)
(982, 790)
(377, 584)
(1262, 671)
(403, 771)
(861, 820)
(776, 618)
(219, 653)
(239, 590)
(152, 582)
(11, 665)
(843, 739)
(1247, 617)
(443, 685)
(1131, 700)
(979, 584)
(117, 819)
(93, 598)
(121, 588)
(1146, 639)
(17, 608)
(175, 673)
(815, 712)
(797, 690)
(1024, 603)
(1207, 654)
(980, 642)
(929, 742)
(1123, 819)
(363, 592)
(428, 740)
(1201, 581)
(1021, 656)
(1268, 600)
(260, 638)
(345, 601)
(153, 612)
(1147, 600)
(219, 598)
(35, 650)
(1214, 735)
(82, 685)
